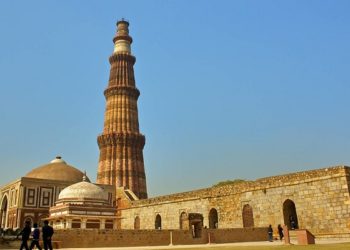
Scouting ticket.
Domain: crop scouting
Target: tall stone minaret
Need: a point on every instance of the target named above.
(121, 143)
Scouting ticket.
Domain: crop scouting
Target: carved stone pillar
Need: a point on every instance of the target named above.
(69, 223)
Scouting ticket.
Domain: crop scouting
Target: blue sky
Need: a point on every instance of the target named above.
(229, 89)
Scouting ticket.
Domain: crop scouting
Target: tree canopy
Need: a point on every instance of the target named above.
(228, 182)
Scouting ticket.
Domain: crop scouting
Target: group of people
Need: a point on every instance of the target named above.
(280, 232)
(293, 225)
(47, 232)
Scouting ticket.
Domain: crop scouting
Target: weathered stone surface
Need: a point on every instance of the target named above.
(321, 199)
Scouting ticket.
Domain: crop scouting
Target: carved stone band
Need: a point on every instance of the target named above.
(122, 139)
(122, 90)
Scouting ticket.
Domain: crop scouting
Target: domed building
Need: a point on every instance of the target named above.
(83, 205)
(58, 170)
(31, 196)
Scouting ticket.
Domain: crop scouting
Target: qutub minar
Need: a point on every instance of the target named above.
(121, 143)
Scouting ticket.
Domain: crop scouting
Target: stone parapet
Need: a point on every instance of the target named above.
(260, 184)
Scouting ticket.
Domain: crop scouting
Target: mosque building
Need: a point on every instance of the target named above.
(31, 196)
(318, 200)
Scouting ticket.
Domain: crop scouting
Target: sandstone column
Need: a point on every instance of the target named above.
(121, 143)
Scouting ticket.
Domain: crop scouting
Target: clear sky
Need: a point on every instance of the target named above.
(229, 89)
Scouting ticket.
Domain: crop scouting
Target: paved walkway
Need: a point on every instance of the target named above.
(256, 243)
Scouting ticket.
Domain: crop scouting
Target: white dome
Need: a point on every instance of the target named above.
(83, 191)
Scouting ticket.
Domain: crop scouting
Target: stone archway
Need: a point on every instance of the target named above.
(247, 216)
(290, 214)
(158, 222)
(41, 219)
(30, 219)
(4, 212)
(196, 224)
(213, 218)
(137, 223)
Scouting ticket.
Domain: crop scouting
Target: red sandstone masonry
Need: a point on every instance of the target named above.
(121, 143)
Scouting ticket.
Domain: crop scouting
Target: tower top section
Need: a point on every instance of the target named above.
(122, 40)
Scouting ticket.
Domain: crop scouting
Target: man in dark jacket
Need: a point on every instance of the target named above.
(47, 235)
(36, 235)
(270, 232)
(25, 235)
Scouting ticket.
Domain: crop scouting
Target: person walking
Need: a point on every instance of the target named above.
(25, 232)
(270, 232)
(292, 222)
(47, 235)
(36, 236)
(280, 231)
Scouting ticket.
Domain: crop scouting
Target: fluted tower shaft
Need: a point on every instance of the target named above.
(121, 143)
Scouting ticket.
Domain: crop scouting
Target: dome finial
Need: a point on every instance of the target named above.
(58, 159)
(84, 176)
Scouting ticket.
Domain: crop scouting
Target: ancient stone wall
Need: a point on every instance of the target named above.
(322, 205)
(320, 199)
(170, 213)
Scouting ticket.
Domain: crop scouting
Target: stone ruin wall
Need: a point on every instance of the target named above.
(322, 203)
(321, 198)
(169, 212)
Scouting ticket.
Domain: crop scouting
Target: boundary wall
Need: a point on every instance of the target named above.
(80, 238)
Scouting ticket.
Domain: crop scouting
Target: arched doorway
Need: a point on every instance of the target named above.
(4, 212)
(290, 214)
(30, 219)
(184, 224)
(137, 223)
(41, 219)
(196, 224)
(247, 215)
(158, 222)
(213, 218)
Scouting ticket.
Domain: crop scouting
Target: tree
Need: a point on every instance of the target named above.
(228, 182)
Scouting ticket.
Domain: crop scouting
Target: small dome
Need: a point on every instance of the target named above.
(58, 170)
(83, 191)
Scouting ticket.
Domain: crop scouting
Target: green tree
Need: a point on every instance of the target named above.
(228, 182)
